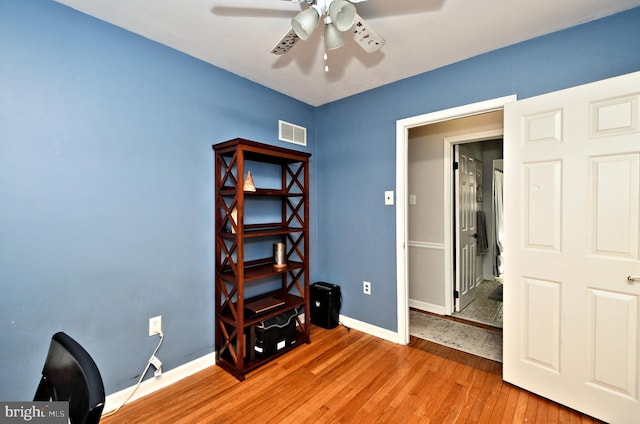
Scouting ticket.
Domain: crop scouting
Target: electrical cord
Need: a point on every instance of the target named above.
(161, 334)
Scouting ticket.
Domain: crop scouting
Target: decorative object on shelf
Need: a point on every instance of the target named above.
(279, 256)
(234, 220)
(248, 183)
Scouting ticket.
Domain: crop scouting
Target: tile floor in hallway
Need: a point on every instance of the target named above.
(483, 309)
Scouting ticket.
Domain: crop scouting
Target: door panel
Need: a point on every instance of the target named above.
(542, 323)
(572, 216)
(615, 116)
(614, 230)
(543, 182)
(612, 362)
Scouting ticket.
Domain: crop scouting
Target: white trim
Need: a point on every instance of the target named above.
(449, 237)
(427, 307)
(426, 245)
(402, 230)
(170, 377)
(373, 330)
(154, 384)
(402, 140)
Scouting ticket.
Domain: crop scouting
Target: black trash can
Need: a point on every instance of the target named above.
(326, 301)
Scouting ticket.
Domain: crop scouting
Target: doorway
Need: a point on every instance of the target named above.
(442, 298)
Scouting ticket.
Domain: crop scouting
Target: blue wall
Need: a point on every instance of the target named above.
(357, 144)
(106, 177)
(106, 190)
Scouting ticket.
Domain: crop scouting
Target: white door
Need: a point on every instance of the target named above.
(465, 226)
(572, 195)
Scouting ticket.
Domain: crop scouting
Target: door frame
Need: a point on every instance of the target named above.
(402, 257)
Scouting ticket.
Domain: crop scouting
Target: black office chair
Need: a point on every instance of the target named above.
(70, 374)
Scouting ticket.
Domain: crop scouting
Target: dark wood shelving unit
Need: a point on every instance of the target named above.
(236, 272)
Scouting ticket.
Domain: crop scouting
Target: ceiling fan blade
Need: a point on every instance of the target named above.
(366, 37)
(286, 43)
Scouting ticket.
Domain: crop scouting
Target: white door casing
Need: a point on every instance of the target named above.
(402, 140)
(571, 319)
(466, 231)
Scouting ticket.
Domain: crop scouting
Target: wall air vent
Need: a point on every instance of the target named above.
(292, 133)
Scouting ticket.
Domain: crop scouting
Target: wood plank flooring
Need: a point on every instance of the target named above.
(351, 377)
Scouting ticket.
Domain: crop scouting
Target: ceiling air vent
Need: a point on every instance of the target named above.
(292, 133)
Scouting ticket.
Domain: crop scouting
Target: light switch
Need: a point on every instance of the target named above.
(388, 197)
(412, 199)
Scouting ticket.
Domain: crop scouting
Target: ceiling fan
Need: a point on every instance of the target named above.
(338, 17)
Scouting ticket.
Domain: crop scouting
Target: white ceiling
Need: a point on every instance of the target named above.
(238, 35)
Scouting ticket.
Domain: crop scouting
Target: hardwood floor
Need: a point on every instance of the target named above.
(351, 377)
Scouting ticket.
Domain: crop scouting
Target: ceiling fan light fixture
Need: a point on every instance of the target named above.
(333, 38)
(343, 14)
(305, 22)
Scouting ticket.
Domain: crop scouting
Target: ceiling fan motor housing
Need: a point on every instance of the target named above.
(339, 13)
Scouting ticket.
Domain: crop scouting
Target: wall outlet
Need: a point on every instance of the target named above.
(366, 287)
(155, 325)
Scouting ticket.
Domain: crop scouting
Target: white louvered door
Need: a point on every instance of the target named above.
(572, 199)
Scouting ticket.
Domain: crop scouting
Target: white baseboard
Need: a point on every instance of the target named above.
(151, 385)
(427, 307)
(154, 384)
(373, 330)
